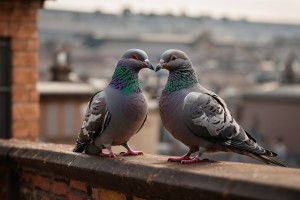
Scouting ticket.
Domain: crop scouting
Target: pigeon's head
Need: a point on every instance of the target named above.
(174, 59)
(136, 59)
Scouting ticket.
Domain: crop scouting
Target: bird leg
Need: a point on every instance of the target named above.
(185, 157)
(130, 152)
(110, 154)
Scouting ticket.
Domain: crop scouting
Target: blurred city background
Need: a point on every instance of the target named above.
(247, 53)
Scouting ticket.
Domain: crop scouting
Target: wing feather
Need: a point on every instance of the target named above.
(207, 116)
(95, 121)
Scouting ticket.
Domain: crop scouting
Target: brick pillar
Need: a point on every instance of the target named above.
(18, 21)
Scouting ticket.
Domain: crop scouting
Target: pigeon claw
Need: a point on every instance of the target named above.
(194, 160)
(179, 159)
(132, 153)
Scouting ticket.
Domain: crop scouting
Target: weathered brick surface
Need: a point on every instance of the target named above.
(25, 129)
(25, 112)
(75, 184)
(59, 188)
(101, 193)
(19, 129)
(33, 130)
(72, 196)
(41, 182)
(26, 60)
(24, 15)
(26, 177)
(4, 27)
(24, 93)
(18, 21)
(20, 44)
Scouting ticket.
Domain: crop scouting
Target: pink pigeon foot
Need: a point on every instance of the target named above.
(193, 160)
(185, 157)
(132, 153)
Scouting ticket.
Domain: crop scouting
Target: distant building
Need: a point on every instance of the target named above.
(62, 107)
(277, 109)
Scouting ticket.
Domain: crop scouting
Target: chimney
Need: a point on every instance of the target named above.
(61, 68)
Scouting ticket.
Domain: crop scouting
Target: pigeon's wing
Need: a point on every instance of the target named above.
(95, 121)
(207, 116)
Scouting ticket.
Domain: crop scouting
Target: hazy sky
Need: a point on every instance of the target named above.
(286, 11)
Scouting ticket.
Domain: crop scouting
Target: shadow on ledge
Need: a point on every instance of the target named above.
(54, 171)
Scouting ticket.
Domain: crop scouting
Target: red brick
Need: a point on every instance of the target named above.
(78, 185)
(20, 44)
(25, 129)
(24, 76)
(3, 28)
(19, 93)
(27, 93)
(25, 111)
(33, 130)
(20, 130)
(59, 187)
(4, 13)
(26, 58)
(72, 196)
(26, 177)
(24, 30)
(41, 182)
(33, 95)
(28, 15)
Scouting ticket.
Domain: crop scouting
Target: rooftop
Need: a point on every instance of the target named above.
(274, 91)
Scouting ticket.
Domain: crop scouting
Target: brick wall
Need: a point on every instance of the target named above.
(53, 171)
(48, 186)
(18, 21)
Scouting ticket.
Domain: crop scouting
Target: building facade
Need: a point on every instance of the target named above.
(19, 98)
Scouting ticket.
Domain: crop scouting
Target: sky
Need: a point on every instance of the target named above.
(276, 11)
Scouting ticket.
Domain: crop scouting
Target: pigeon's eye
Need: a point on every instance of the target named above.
(134, 57)
(173, 57)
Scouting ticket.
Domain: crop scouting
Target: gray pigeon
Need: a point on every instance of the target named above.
(118, 111)
(198, 117)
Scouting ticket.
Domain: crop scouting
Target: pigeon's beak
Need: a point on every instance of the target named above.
(161, 65)
(148, 64)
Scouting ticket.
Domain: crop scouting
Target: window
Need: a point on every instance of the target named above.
(5, 88)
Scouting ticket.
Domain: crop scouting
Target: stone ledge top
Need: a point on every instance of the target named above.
(152, 176)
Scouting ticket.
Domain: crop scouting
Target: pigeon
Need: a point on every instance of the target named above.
(117, 112)
(199, 118)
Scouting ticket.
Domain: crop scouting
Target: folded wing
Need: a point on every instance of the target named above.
(96, 119)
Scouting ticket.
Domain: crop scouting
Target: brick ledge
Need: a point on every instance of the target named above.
(152, 176)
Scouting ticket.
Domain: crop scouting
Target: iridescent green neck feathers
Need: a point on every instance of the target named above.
(125, 80)
(180, 79)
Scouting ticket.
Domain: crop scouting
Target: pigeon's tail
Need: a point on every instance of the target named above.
(79, 147)
(269, 153)
(266, 159)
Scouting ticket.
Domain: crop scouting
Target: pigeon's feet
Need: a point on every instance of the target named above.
(193, 160)
(132, 153)
(108, 155)
(185, 157)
